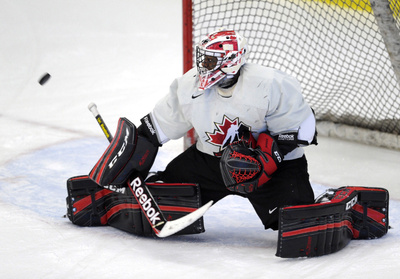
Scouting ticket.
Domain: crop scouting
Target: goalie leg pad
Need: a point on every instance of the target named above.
(86, 201)
(177, 200)
(91, 205)
(371, 213)
(323, 228)
(123, 212)
(174, 200)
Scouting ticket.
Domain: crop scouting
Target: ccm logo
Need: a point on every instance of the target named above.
(351, 203)
(278, 157)
(115, 188)
(122, 149)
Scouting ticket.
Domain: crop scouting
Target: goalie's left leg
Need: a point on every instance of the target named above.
(91, 205)
(329, 224)
(86, 201)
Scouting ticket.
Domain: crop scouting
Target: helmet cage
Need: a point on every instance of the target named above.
(209, 67)
(218, 55)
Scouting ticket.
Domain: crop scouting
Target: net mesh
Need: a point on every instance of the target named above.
(333, 47)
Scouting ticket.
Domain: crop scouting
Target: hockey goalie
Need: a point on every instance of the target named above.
(253, 125)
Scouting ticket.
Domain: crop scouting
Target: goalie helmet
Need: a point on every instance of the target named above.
(219, 54)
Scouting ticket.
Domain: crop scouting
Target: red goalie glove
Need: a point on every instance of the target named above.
(244, 169)
(269, 155)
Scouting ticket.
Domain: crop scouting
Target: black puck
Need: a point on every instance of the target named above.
(44, 78)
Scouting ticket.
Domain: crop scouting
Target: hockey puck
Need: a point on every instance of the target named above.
(44, 78)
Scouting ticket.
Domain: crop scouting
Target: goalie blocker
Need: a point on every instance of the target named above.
(328, 225)
(88, 204)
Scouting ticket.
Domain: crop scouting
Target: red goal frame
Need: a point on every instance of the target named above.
(187, 27)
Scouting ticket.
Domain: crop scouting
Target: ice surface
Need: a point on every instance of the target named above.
(123, 55)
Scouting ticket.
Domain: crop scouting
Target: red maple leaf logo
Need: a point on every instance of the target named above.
(226, 132)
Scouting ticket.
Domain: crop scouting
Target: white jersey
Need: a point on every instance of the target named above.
(262, 99)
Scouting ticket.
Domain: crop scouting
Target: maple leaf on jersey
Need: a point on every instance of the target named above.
(226, 132)
(219, 135)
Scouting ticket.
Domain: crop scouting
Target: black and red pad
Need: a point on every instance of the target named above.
(127, 153)
(89, 204)
(86, 202)
(324, 228)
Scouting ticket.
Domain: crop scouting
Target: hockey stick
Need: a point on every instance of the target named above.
(144, 198)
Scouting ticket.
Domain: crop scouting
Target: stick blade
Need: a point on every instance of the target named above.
(172, 227)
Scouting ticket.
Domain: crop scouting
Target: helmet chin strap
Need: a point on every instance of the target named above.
(229, 80)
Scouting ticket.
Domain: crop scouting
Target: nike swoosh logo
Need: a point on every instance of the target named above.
(194, 97)
(272, 210)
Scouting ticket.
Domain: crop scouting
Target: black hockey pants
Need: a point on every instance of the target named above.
(289, 185)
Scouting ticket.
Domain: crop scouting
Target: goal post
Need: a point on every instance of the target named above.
(345, 53)
(187, 23)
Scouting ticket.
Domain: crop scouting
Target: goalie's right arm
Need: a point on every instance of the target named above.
(152, 131)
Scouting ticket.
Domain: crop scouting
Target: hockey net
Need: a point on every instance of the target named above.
(345, 53)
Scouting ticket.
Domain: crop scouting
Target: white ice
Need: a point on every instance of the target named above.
(123, 55)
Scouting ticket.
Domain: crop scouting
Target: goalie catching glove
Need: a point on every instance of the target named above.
(245, 169)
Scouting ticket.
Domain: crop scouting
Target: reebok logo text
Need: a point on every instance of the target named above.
(145, 201)
(286, 137)
(149, 125)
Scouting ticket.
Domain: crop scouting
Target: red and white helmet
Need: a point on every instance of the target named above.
(219, 54)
